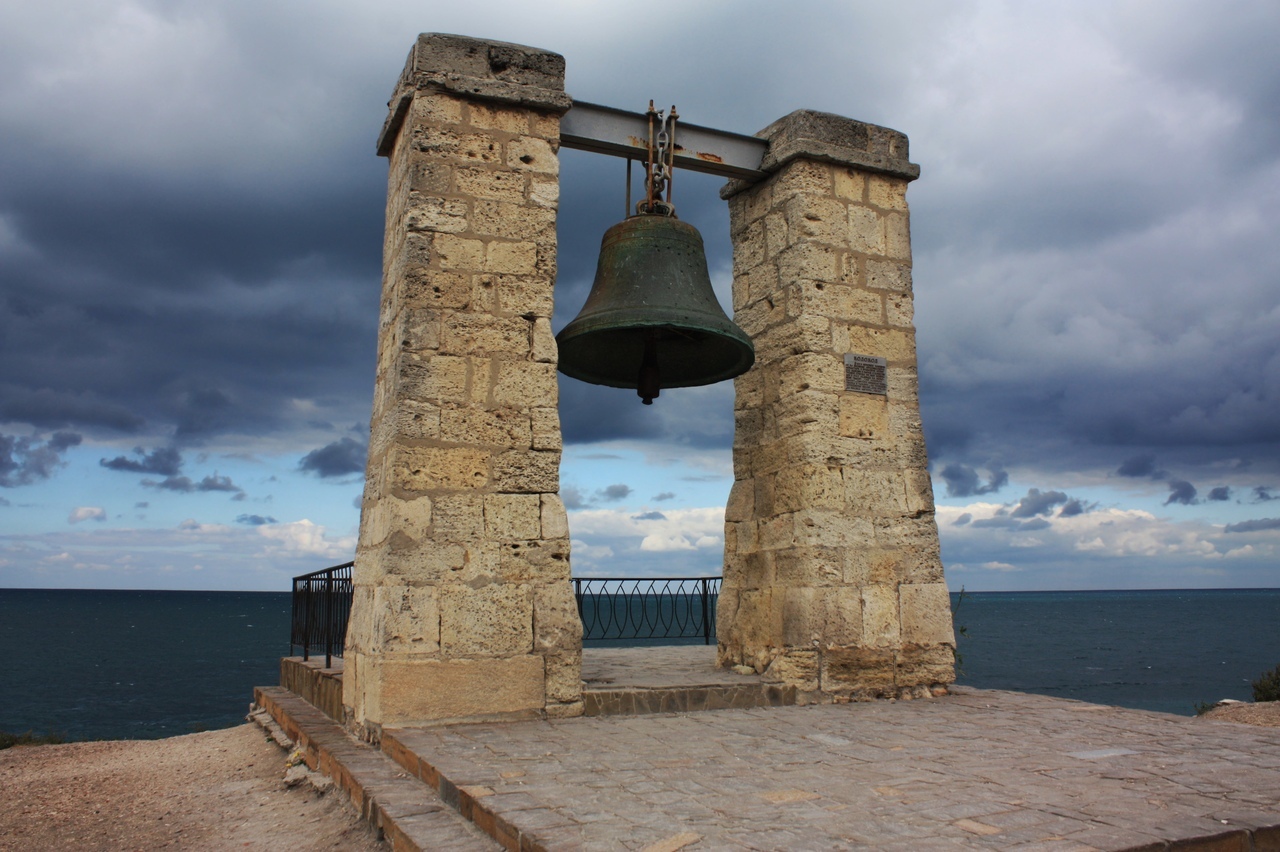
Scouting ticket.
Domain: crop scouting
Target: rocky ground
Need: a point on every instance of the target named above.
(216, 790)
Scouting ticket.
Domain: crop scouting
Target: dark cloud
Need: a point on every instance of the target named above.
(1038, 502)
(1140, 466)
(1182, 493)
(1258, 525)
(185, 485)
(255, 520)
(24, 459)
(963, 481)
(165, 461)
(340, 458)
(573, 498)
(619, 491)
(1222, 492)
(665, 495)
(1262, 494)
(649, 516)
(1072, 508)
(963, 519)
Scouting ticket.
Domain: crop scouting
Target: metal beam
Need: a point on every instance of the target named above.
(605, 130)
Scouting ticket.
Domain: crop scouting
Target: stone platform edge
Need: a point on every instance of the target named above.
(313, 682)
(400, 808)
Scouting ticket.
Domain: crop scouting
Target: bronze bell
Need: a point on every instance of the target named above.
(652, 320)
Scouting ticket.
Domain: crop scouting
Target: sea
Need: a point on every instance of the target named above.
(89, 665)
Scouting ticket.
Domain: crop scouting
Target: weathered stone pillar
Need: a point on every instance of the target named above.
(463, 607)
(833, 579)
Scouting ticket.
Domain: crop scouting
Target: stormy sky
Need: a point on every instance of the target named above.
(190, 237)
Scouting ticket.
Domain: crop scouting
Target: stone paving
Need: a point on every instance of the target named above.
(975, 770)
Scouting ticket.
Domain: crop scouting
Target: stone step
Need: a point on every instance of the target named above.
(407, 813)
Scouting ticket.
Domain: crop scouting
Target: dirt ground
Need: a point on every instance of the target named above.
(215, 790)
(1266, 713)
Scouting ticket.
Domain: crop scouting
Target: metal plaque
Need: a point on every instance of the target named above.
(866, 374)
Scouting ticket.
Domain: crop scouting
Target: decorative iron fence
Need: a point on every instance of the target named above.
(612, 609)
(619, 609)
(321, 605)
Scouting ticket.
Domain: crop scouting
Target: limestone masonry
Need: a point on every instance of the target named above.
(463, 608)
(832, 579)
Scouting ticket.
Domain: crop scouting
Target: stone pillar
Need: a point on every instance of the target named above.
(463, 608)
(833, 579)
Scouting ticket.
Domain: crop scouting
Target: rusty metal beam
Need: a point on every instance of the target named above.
(605, 130)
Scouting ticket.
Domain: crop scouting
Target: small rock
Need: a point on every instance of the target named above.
(295, 775)
(744, 670)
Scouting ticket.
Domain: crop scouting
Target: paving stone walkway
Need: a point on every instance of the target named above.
(975, 770)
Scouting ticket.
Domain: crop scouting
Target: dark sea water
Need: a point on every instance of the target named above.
(138, 665)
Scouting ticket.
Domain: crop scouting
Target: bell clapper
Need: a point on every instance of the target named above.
(648, 385)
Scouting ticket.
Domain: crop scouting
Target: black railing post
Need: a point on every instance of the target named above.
(706, 599)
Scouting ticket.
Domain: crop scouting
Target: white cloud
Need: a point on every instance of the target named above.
(86, 513)
(304, 537)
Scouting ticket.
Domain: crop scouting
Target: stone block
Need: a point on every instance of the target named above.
(802, 625)
(887, 193)
(491, 116)
(491, 621)
(478, 334)
(408, 618)
(421, 691)
(819, 218)
(458, 517)
(513, 258)
(415, 470)
(841, 616)
(848, 670)
(437, 378)
(876, 493)
(809, 260)
(443, 215)
(544, 346)
(544, 193)
(554, 519)
(564, 677)
(899, 311)
(889, 275)
(850, 184)
(880, 618)
(820, 371)
(809, 567)
(864, 416)
(436, 108)
(798, 668)
(741, 503)
(509, 517)
(808, 486)
(498, 427)
(463, 254)
(898, 346)
(486, 183)
(799, 177)
(917, 666)
(897, 237)
(926, 614)
(386, 515)
(527, 471)
(512, 221)
(545, 423)
(557, 625)
(538, 560)
(521, 383)
(830, 528)
(531, 154)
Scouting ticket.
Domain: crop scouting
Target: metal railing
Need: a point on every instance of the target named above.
(616, 608)
(321, 605)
